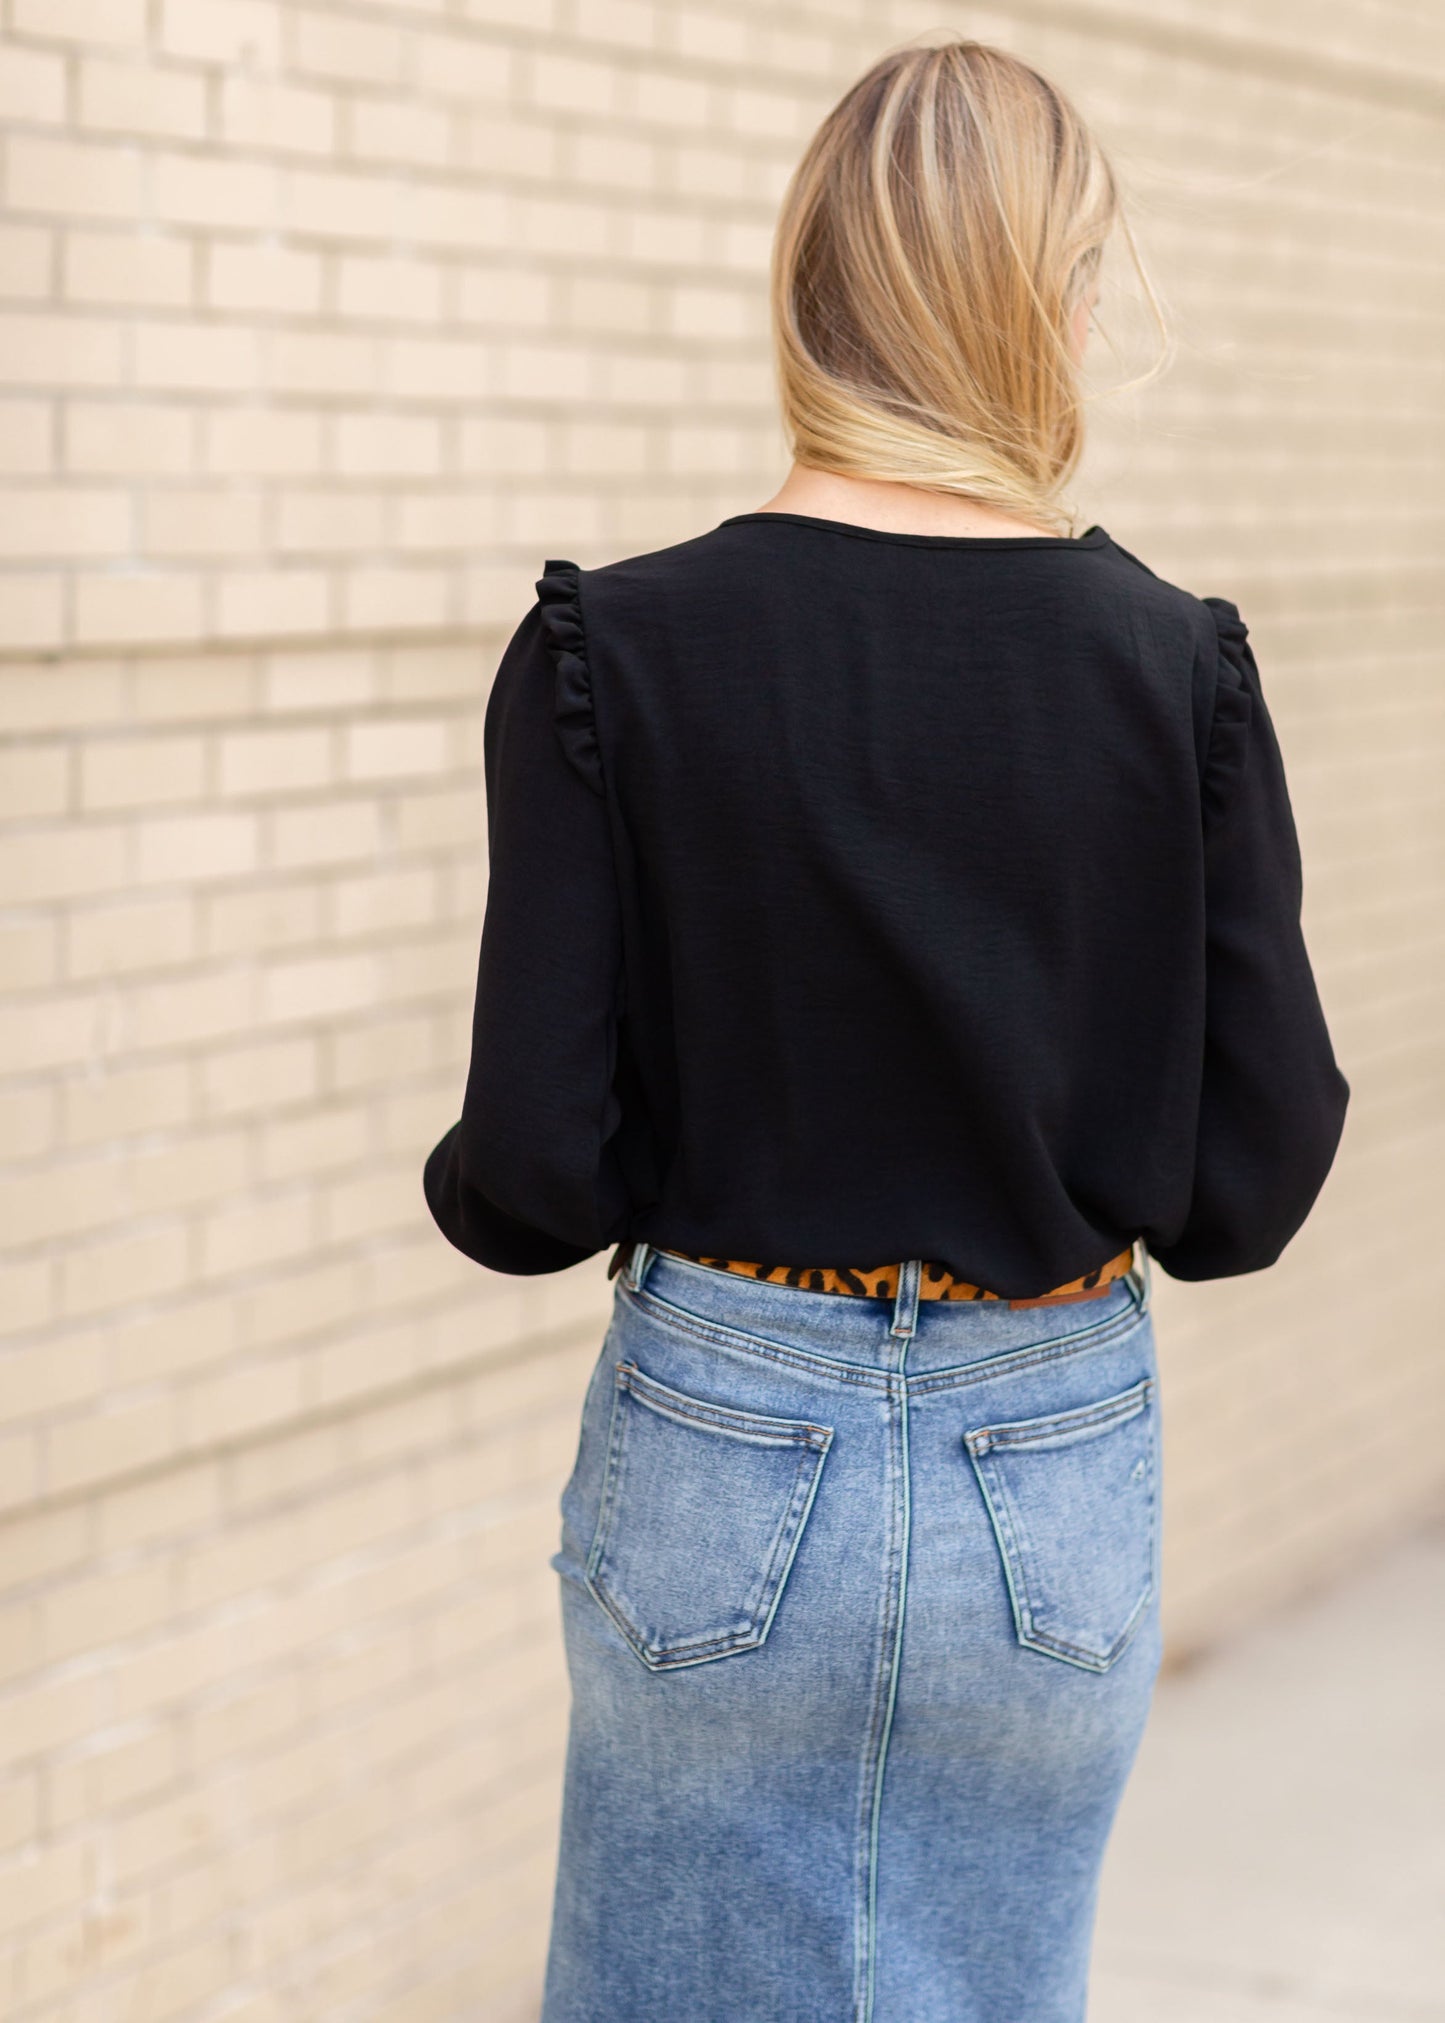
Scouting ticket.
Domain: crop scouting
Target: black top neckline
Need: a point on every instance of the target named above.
(1092, 537)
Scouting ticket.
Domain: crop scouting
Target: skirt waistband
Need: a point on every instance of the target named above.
(881, 1281)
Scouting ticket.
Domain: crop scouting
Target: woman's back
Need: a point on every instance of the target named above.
(860, 895)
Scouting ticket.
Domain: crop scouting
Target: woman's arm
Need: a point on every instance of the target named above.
(525, 1181)
(1273, 1102)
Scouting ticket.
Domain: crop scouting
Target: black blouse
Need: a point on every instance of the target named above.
(857, 896)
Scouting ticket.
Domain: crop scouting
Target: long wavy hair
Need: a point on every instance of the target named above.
(934, 241)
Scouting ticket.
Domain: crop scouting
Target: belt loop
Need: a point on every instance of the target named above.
(905, 1304)
(1142, 1273)
(635, 1269)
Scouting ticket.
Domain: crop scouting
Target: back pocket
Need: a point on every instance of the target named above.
(1073, 1503)
(702, 1510)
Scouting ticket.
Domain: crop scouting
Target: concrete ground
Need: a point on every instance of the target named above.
(1280, 1853)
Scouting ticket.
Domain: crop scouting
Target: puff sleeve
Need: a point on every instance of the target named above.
(1272, 1102)
(525, 1181)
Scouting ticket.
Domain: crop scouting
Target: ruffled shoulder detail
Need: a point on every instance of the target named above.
(1235, 686)
(559, 593)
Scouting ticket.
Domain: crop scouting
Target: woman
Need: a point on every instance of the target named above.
(892, 943)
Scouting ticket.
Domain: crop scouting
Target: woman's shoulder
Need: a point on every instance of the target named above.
(655, 595)
(1131, 576)
(691, 559)
(1226, 680)
(1208, 632)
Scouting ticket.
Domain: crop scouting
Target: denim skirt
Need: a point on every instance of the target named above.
(860, 1599)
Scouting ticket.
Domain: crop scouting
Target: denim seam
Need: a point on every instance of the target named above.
(897, 1583)
(611, 1470)
(1102, 1335)
(867, 1767)
(866, 1782)
(836, 1371)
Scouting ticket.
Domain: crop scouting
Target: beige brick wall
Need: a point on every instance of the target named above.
(323, 327)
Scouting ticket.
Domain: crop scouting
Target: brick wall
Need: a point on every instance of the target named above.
(322, 328)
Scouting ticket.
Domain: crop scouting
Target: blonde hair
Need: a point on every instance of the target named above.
(934, 241)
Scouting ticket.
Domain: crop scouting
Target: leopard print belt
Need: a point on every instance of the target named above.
(881, 1281)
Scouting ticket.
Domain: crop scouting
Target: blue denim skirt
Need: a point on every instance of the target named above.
(860, 1599)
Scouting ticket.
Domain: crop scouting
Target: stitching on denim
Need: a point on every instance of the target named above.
(669, 1316)
(804, 1514)
(904, 1323)
(894, 1666)
(662, 1657)
(1102, 1334)
(611, 1467)
(1003, 1519)
(762, 1603)
(784, 1543)
(867, 1772)
(1023, 1433)
(1011, 1536)
(1090, 1661)
(704, 1329)
(728, 1419)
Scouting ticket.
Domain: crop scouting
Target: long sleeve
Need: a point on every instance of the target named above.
(1273, 1100)
(525, 1181)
